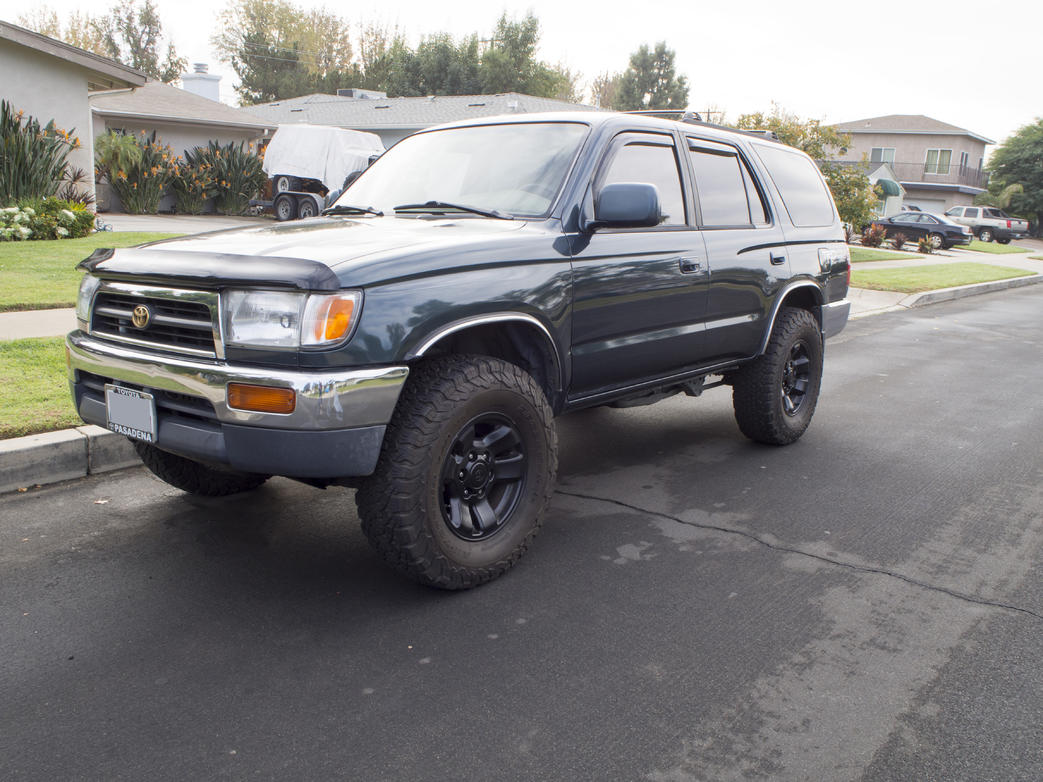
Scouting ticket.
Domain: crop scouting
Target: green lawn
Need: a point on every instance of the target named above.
(34, 389)
(916, 279)
(994, 247)
(864, 254)
(42, 275)
(1036, 257)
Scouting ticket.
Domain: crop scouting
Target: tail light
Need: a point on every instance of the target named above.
(1008, 223)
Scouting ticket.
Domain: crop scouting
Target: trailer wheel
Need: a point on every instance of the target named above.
(285, 207)
(307, 208)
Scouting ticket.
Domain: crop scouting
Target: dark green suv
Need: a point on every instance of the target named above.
(480, 278)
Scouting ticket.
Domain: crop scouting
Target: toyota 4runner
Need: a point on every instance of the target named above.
(416, 341)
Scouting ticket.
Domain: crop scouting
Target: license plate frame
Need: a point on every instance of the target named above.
(130, 412)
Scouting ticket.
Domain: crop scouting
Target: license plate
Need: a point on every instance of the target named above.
(131, 413)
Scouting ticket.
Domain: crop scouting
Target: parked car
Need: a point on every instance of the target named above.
(910, 208)
(989, 223)
(480, 278)
(942, 232)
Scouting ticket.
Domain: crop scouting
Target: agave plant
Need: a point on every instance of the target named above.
(32, 159)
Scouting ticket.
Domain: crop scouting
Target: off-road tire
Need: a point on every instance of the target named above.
(985, 235)
(193, 477)
(758, 388)
(401, 504)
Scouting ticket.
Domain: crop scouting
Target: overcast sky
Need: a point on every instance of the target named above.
(972, 64)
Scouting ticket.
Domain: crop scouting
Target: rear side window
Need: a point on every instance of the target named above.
(970, 213)
(727, 194)
(803, 192)
(998, 213)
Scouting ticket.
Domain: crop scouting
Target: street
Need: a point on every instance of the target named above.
(864, 604)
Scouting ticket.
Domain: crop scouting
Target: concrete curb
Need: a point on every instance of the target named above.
(963, 291)
(59, 456)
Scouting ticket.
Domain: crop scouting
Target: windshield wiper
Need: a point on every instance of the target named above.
(437, 206)
(341, 209)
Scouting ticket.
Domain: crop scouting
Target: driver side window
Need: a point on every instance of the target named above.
(654, 163)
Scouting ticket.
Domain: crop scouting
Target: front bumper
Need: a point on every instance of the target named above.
(335, 430)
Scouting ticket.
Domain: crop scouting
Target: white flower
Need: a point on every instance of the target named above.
(68, 215)
(61, 231)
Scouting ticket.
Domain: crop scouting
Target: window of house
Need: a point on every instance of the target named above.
(964, 159)
(882, 155)
(656, 164)
(938, 161)
(725, 188)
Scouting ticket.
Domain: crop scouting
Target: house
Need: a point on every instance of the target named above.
(180, 119)
(49, 79)
(937, 164)
(395, 118)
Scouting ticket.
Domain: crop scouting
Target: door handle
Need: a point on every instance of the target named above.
(690, 265)
(777, 260)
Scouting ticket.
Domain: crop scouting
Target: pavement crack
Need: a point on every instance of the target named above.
(809, 554)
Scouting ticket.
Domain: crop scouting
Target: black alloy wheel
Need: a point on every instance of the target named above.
(796, 376)
(483, 477)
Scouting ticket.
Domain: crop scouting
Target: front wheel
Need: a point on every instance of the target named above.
(466, 469)
(774, 396)
(285, 207)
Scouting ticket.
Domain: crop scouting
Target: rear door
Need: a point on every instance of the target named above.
(745, 247)
(639, 294)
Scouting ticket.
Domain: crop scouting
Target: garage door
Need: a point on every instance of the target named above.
(926, 204)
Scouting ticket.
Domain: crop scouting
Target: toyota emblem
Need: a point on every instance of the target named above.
(141, 316)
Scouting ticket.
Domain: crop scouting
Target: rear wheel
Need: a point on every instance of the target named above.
(774, 395)
(937, 241)
(307, 208)
(466, 470)
(985, 234)
(285, 207)
(193, 477)
(1003, 241)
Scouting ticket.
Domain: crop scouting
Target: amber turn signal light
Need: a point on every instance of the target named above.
(261, 399)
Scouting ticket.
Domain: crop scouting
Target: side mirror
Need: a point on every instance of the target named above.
(627, 205)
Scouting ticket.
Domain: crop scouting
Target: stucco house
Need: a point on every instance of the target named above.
(395, 118)
(49, 79)
(179, 118)
(938, 165)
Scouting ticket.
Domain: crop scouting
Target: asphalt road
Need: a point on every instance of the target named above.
(864, 604)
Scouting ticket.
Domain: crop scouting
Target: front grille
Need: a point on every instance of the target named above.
(178, 325)
(169, 402)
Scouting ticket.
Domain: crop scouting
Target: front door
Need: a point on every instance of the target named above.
(639, 294)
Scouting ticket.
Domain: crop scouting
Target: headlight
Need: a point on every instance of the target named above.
(276, 319)
(88, 285)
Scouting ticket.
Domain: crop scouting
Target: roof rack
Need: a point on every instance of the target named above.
(694, 118)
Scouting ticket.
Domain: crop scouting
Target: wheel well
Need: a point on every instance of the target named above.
(520, 344)
(805, 298)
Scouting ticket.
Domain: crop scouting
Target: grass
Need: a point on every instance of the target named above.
(995, 248)
(916, 279)
(1036, 257)
(42, 275)
(864, 254)
(34, 387)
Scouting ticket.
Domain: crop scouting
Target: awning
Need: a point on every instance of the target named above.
(889, 187)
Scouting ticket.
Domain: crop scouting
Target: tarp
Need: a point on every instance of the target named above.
(320, 152)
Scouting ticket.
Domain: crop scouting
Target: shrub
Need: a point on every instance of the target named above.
(139, 168)
(237, 173)
(923, 245)
(193, 182)
(899, 240)
(45, 218)
(32, 159)
(873, 236)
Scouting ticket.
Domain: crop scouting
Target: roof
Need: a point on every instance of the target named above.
(907, 123)
(102, 73)
(158, 101)
(412, 113)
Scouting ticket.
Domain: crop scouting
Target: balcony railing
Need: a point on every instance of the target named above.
(933, 174)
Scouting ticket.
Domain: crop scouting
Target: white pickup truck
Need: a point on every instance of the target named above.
(989, 223)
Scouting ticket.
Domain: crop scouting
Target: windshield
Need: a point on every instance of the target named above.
(515, 169)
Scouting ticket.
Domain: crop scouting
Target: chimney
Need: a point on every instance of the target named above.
(201, 82)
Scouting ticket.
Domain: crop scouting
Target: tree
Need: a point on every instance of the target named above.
(1019, 161)
(604, 89)
(650, 81)
(129, 33)
(510, 64)
(849, 184)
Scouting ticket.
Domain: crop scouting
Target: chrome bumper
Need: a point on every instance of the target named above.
(834, 317)
(325, 399)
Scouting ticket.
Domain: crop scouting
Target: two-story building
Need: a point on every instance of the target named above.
(938, 165)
